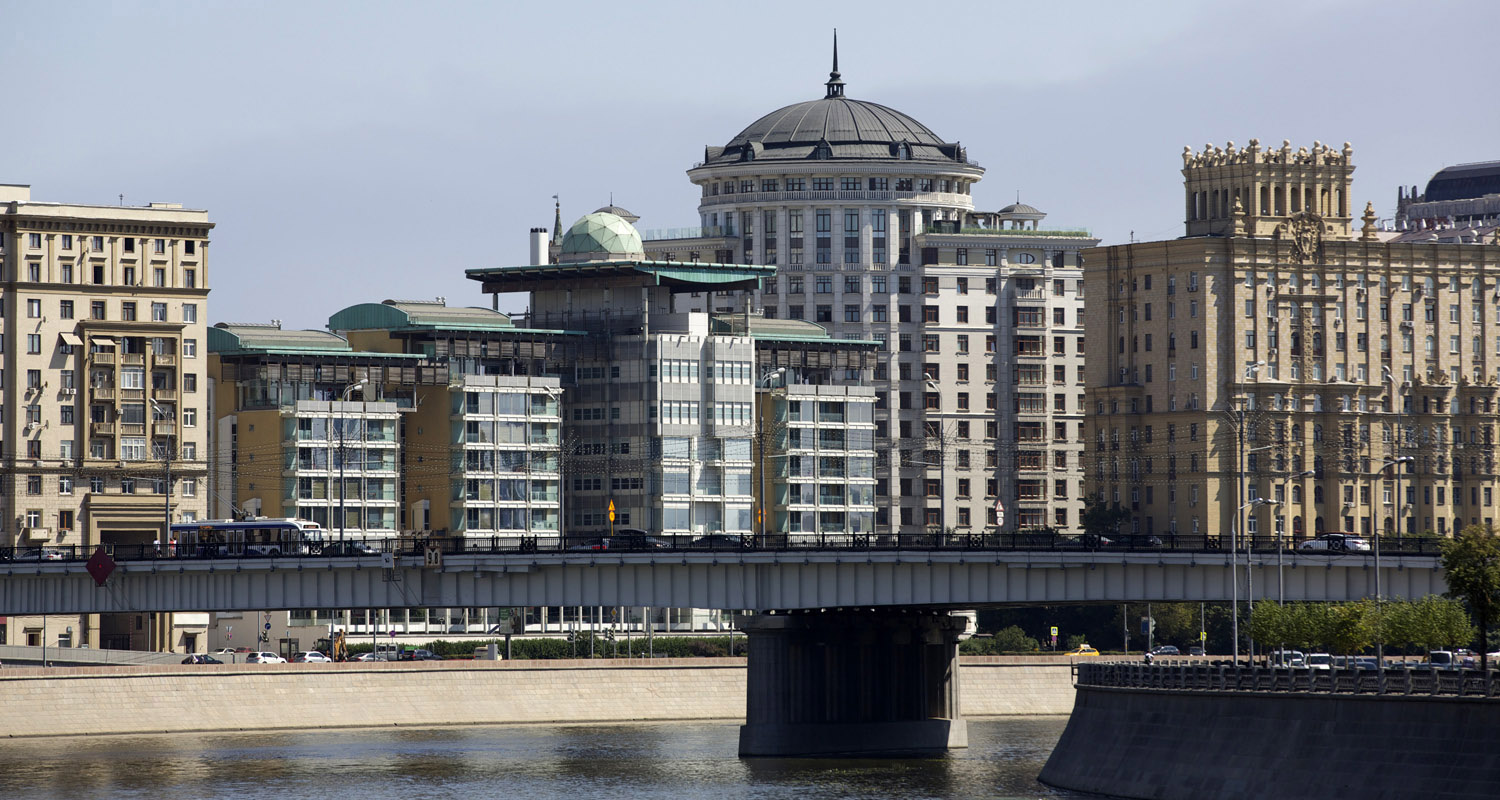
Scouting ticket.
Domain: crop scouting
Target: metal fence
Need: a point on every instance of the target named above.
(931, 539)
(1419, 680)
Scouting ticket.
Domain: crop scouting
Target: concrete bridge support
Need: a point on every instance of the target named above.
(863, 682)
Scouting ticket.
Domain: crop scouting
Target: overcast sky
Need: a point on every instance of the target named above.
(363, 151)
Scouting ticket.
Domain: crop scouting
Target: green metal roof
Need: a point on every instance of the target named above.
(798, 331)
(601, 232)
(228, 339)
(406, 315)
(662, 272)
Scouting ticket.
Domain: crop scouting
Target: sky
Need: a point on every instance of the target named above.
(356, 152)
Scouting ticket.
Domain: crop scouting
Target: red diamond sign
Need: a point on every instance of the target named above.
(101, 565)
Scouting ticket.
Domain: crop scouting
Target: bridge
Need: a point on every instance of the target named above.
(854, 651)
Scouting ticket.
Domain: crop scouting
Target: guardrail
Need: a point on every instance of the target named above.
(1420, 680)
(592, 541)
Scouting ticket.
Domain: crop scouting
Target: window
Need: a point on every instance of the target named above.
(189, 312)
(929, 313)
(851, 313)
(878, 313)
(189, 348)
(65, 309)
(127, 311)
(824, 284)
(190, 278)
(189, 418)
(825, 313)
(190, 382)
(34, 308)
(158, 312)
(851, 284)
(158, 245)
(34, 343)
(96, 309)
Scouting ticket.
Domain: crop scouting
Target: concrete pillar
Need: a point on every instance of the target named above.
(852, 682)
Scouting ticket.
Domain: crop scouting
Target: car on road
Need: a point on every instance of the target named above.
(1337, 543)
(1195, 650)
(370, 657)
(311, 657)
(40, 554)
(201, 658)
(1318, 661)
(721, 541)
(348, 548)
(1084, 650)
(622, 539)
(419, 655)
(1166, 650)
(264, 658)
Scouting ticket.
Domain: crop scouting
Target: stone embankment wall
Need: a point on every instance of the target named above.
(1175, 745)
(63, 701)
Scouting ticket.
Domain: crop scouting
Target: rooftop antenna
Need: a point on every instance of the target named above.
(835, 86)
(122, 199)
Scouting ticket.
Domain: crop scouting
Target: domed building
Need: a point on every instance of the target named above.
(867, 215)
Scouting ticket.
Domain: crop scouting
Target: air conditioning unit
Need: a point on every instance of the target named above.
(69, 391)
(32, 426)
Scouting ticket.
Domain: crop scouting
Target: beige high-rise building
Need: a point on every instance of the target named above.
(1275, 352)
(104, 393)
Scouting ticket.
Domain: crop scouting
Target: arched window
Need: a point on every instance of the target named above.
(1318, 468)
(1297, 495)
(1430, 345)
(1318, 526)
(1318, 495)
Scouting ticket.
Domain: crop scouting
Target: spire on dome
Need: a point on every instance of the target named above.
(835, 86)
(557, 231)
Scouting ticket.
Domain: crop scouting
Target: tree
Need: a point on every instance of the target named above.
(1471, 560)
(1014, 640)
(1099, 520)
(1428, 624)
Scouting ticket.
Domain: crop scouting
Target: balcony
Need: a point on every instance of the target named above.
(102, 358)
(103, 392)
(133, 358)
(165, 359)
(132, 429)
(164, 428)
(102, 429)
(164, 394)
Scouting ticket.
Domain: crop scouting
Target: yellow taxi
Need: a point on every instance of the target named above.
(1084, 650)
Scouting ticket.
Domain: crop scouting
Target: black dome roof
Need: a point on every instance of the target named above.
(1464, 181)
(835, 127)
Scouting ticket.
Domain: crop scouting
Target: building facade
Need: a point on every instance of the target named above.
(1276, 353)
(106, 439)
(868, 216)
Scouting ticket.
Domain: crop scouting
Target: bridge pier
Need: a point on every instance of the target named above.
(852, 682)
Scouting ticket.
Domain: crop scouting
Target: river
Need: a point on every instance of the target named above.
(676, 761)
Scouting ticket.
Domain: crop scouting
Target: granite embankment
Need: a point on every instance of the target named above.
(1190, 745)
(62, 701)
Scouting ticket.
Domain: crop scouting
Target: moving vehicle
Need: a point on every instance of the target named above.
(1288, 658)
(1318, 661)
(311, 657)
(1196, 650)
(264, 658)
(1442, 659)
(370, 657)
(262, 536)
(622, 539)
(1166, 650)
(347, 548)
(419, 655)
(201, 658)
(1336, 542)
(1084, 650)
(721, 541)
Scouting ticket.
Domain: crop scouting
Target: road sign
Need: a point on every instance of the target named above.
(268, 626)
(1202, 636)
(999, 513)
(611, 511)
(393, 633)
(1054, 630)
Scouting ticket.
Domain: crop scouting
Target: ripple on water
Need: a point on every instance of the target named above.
(671, 761)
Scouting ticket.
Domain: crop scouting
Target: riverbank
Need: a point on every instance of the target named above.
(179, 698)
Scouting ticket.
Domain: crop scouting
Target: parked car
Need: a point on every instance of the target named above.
(370, 657)
(1196, 650)
(1166, 650)
(1288, 658)
(311, 657)
(419, 655)
(1084, 650)
(1318, 661)
(1443, 659)
(225, 651)
(1336, 542)
(40, 554)
(201, 658)
(264, 658)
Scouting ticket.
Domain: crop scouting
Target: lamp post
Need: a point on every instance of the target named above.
(342, 453)
(167, 452)
(1238, 522)
(1249, 583)
(1396, 506)
(1390, 462)
(1281, 546)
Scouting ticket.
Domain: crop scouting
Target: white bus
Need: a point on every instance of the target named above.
(262, 536)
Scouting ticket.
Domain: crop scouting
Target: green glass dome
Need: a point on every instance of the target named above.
(601, 236)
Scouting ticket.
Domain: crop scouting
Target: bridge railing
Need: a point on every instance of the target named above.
(1419, 680)
(407, 546)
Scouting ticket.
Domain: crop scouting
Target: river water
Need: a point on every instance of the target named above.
(671, 761)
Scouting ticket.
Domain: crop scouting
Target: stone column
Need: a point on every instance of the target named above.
(866, 682)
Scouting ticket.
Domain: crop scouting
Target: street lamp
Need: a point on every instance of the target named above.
(162, 414)
(1238, 522)
(360, 385)
(773, 374)
(1390, 462)
(1396, 508)
(1280, 546)
(1250, 585)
